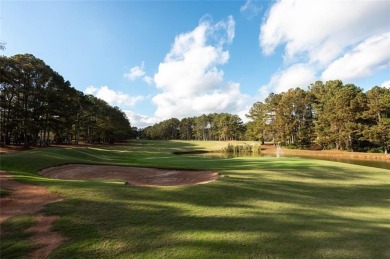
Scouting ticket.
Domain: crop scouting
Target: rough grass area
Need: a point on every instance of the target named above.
(260, 207)
(14, 240)
(3, 192)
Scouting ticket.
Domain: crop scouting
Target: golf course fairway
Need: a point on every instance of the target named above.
(258, 207)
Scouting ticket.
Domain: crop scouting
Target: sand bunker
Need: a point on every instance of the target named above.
(131, 175)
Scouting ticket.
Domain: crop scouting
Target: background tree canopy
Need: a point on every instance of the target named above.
(330, 115)
(38, 106)
(215, 126)
(326, 116)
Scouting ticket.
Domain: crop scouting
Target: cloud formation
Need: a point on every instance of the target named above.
(138, 72)
(190, 80)
(139, 120)
(135, 72)
(148, 80)
(112, 97)
(250, 9)
(343, 40)
(297, 75)
(386, 84)
(371, 55)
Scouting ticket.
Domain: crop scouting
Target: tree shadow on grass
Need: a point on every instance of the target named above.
(167, 230)
(259, 208)
(301, 168)
(230, 218)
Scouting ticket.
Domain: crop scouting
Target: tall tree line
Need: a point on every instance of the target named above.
(329, 115)
(215, 126)
(37, 107)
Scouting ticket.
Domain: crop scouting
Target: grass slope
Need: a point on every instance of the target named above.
(260, 207)
(14, 240)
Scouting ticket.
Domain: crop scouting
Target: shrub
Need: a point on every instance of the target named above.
(242, 148)
(375, 150)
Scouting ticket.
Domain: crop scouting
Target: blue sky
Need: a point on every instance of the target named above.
(161, 59)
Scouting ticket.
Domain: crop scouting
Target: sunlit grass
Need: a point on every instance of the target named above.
(260, 207)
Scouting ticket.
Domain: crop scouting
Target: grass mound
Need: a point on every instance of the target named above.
(260, 207)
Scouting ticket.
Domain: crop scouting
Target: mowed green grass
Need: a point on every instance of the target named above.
(260, 207)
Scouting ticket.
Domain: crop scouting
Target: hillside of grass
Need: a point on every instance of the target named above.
(260, 207)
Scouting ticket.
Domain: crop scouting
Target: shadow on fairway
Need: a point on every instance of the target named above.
(234, 217)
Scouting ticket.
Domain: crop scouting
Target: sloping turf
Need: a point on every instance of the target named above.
(260, 207)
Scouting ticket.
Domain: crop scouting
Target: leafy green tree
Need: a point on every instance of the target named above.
(274, 122)
(30, 78)
(237, 128)
(201, 126)
(257, 128)
(37, 104)
(339, 111)
(230, 126)
(8, 100)
(295, 116)
(185, 128)
(170, 128)
(378, 114)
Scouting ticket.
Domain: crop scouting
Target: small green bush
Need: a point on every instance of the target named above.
(242, 148)
(375, 150)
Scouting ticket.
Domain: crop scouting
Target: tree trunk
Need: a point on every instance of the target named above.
(7, 140)
(47, 139)
(350, 142)
(25, 144)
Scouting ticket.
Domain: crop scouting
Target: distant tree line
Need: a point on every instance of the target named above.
(330, 116)
(38, 107)
(215, 126)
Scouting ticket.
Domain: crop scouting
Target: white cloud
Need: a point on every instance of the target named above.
(112, 97)
(91, 90)
(386, 84)
(138, 72)
(298, 75)
(148, 80)
(366, 58)
(189, 78)
(320, 29)
(139, 120)
(335, 39)
(135, 72)
(250, 9)
(225, 99)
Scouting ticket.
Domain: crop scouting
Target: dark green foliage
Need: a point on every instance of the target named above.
(216, 126)
(242, 148)
(378, 116)
(330, 115)
(339, 109)
(39, 107)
